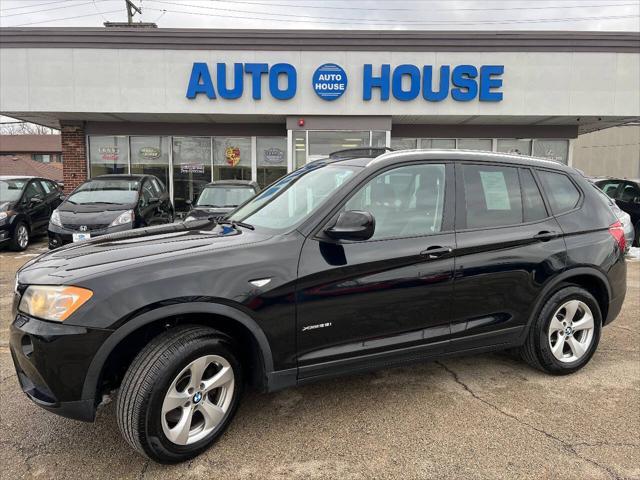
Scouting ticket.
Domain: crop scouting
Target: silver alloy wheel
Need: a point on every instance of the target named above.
(571, 331)
(198, 399)
(22, 235)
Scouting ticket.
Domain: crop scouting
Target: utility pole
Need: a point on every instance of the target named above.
(130, 11)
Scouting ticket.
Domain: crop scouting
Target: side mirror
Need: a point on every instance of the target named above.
(62, 197)
(352, 225)
(188, 202)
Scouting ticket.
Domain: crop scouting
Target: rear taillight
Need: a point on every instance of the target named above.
(617, 232)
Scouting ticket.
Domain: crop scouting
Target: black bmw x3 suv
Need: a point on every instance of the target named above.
(342, 266)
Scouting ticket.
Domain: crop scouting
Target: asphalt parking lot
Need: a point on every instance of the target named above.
(487, 416)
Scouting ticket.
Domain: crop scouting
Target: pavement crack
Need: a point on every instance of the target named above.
(144, 469)
(568, 447)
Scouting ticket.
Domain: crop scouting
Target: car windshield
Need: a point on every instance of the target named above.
(293, 198)
(10, 190)
(225, 195)
(118, 191)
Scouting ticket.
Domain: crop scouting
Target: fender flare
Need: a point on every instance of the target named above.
(97, 363)
(562, 277)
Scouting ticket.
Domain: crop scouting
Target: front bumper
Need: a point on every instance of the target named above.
(5, 232)
(52, 360)
(59, 236)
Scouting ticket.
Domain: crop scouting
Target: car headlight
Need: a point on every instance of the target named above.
(124, 217)
(3, 217)
(55, 219)
(190, 218)
(55, 303)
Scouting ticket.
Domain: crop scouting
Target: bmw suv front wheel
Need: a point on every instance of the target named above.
(179, 394)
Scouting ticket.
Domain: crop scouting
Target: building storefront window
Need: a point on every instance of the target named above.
(485, 144)
(378, 139)
(404, 143)
(191, 169)
(439, 143)
(232, 158)
(557, 150)
(150, 155)
(323, 143)
(108, 155)
(514, 145)
(271, 153)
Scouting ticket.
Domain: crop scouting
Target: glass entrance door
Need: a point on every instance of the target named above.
(191, 169)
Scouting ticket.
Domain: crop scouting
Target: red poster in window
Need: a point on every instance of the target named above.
(232, 155)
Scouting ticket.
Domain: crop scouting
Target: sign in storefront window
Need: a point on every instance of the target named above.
(108, 155)
(191, 169)
(271, 158)
(150, 155)
(232, 158)
(554, 149)
(514, 145)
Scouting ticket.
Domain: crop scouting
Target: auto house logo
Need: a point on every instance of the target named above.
(329, 81)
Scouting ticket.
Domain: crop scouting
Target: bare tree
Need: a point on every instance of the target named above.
(25, 128)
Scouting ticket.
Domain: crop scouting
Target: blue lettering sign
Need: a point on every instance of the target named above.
(256, 70)
(329, 81)
(369, 82)
(487, 83)
(428, 92)
(292, 81)
(412, 72)
(463, 77)
(200, 81)
(223, 91)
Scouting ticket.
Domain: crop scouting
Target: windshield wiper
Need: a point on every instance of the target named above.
(236, 224)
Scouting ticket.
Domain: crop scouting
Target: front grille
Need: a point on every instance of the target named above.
(90, 226)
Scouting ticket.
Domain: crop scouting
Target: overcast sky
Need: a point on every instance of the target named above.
(592, 15)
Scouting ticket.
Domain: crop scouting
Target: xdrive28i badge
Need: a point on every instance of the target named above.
(329, 81)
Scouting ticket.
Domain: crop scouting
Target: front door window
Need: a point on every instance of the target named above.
(191, 169)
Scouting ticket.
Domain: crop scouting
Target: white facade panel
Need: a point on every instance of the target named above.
(155, 81)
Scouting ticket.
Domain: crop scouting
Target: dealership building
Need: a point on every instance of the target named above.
(191, 106)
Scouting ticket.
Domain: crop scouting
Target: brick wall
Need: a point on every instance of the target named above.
(74, 152)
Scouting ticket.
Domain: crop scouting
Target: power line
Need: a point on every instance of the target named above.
(337, 7)
(387, 22)
(66, 18)
(36, 5)
(45, 10)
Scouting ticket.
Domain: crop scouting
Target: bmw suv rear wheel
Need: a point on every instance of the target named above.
(565, 335)
(179, 394)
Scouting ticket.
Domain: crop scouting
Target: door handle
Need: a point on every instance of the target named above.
(545, 235)
(435, 252)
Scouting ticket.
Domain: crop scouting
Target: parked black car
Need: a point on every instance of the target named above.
(626, 194)
(342, 266)
(26, 204)
(108, 204)
(221, 197)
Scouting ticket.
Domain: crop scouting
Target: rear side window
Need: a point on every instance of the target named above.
(492, 195)
(629, 193)
(533, 204)
(561, 192)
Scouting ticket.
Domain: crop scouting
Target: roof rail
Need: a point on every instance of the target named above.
(361, 152)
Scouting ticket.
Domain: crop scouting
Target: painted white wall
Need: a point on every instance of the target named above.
(155, 81)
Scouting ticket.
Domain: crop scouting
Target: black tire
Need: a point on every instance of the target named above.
(536, 350)
(14, 243)
(143, 389)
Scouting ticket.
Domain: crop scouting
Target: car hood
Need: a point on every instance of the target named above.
(120, 251)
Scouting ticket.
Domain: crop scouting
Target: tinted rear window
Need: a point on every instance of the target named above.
(561, 192)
